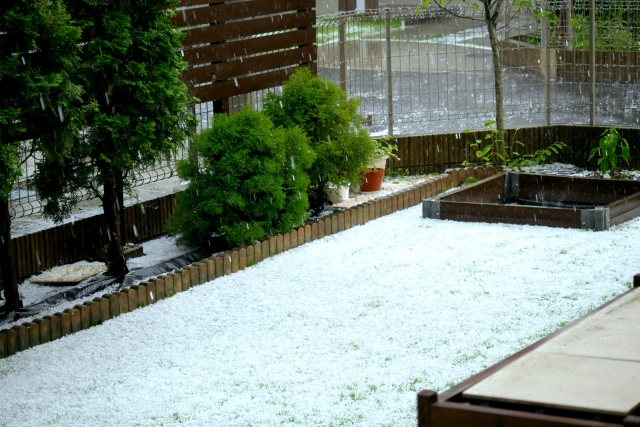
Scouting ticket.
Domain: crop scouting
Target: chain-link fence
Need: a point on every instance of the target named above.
(431, 72)
(23, 200)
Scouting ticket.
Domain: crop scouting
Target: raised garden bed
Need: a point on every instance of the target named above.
(535, 199)
(577, 382)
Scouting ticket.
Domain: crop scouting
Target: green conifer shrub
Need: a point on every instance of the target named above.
(343, 147)
(250, 181)
(139, 109)
(38, 100)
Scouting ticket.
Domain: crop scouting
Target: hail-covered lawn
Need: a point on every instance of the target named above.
(339, 332)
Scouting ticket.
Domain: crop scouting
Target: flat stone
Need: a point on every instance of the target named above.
(611, 333)
(592, 366)
(565, 381)
(68, 274)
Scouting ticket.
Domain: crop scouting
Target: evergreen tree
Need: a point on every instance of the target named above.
(131, 73)
(38, 102)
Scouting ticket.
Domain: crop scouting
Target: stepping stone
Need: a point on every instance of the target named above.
(67, 275)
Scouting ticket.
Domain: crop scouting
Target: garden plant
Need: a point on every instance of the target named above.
(610, 150)
(250, 181)
(40, 101)
(488, 154)
(343, 148)
(136, 110)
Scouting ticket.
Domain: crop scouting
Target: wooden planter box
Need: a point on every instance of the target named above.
(534, 199)
(581, 397)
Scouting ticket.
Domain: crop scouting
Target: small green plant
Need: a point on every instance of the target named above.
(398, 174)
(488, 154)
(612, 147)
(141, 305)
(470, 180)
(169, 294)
(384, 147)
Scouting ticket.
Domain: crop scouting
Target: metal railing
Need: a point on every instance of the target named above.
(433, 72)
(24, 201)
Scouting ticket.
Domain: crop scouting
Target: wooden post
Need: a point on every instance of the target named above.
(389, 71)
(592, 62)
(426, 398)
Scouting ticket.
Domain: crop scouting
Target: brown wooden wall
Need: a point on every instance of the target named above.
(435, 153)
(611, 66)
(234, 48)
(419, 154)
(75, 241)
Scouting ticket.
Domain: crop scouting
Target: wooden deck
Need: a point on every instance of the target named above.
(586, 374)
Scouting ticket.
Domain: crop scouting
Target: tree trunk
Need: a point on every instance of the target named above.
(115, 254)
(497, 71)
(7, 264)
(120, 206)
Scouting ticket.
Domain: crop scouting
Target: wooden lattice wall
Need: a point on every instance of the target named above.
(239, 47)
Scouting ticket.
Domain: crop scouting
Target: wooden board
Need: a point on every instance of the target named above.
(612, 333)
(236, 11)
(69, 274)
(565, 381)
(254, 27)
(568, 189)
(509, 214)
(593, 366)
(247, 47)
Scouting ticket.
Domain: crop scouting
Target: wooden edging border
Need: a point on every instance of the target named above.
(99, 310)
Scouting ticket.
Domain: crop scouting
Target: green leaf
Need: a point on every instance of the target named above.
(604, 166)
(625, 153)
(613, 159)
(593, 152)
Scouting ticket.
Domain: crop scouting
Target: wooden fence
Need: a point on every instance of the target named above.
(235, 48)
(611, 66)
(71, 242)
(419, 154)
(434, 153)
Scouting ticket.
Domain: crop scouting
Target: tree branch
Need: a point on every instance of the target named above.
(94, 189)
(456, 14)
(509, 21)
(496, 11)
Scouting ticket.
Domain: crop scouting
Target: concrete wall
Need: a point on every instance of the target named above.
(324, 7)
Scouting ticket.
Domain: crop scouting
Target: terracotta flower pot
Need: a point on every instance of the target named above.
(372, 181)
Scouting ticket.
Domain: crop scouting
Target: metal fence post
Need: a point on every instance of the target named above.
(546, 42)
(389, 71)
(592, 61)
(342, 34)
